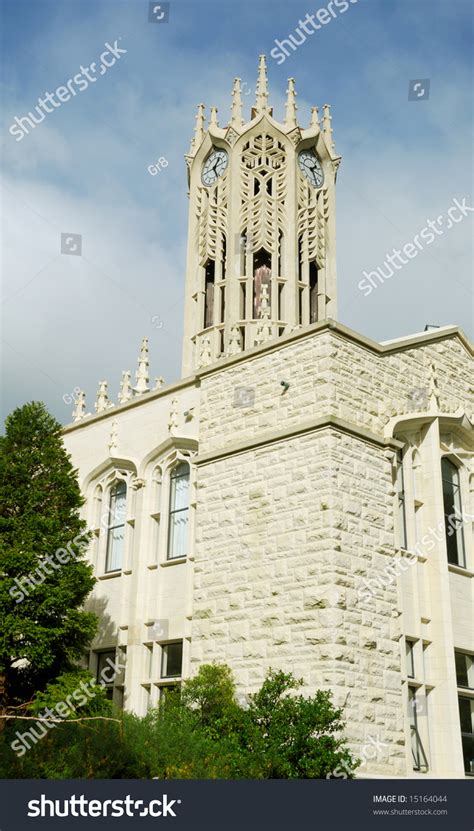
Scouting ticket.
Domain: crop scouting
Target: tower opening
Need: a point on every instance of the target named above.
(313, 292)
(209, 280)
(262, 274)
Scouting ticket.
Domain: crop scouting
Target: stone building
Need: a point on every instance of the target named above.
(302, 498)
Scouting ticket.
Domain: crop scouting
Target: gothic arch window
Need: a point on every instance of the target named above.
(313, 292)
(453, 516)
(116, 526)
(178, 514)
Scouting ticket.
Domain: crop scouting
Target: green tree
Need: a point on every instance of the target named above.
(44, 576)
(294, 737)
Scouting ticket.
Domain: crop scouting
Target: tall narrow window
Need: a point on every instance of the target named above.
(402, 522)
(116, 529)
(179, 511)
(209, 293)
(420, 761)
(410, 658)
(300, 306)
(280, 253)
(222, 309)
(105, 674)
(300, 258)
(280, 300)
(466, 717)
(243, 301)
(464, 670)
(224, 256)
(452, 512)
(313, 292)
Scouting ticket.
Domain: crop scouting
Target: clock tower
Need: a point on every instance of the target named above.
(261, 258)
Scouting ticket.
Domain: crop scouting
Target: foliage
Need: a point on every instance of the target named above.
(44, 629)
(198, 733)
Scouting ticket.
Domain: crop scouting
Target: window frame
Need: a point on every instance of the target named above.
(451, 534)
(164, 674)
(170, 544)
(119, 483)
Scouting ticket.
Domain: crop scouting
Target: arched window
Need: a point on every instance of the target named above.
(453, 517)
(179, 511)
(116, 526)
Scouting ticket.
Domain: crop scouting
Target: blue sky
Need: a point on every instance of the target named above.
(71, 321)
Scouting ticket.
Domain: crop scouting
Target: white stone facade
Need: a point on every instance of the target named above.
(313, 536)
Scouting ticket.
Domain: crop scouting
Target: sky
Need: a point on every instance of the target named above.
(69, 320)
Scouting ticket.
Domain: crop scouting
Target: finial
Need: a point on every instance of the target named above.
(102, 403)
(205, 355)
(327, 129)
(261, 98)
(213, 119)
(159, 381)
(79, 410)
(314, 123)
(126, 392)
(236, 110)
(199, 129)
(234, 347)
(290, 117)
(141, 374)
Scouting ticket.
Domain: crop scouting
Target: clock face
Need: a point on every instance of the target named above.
(214, 167)
(310, 167)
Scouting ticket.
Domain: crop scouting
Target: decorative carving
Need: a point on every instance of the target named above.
(102, 403)
(205, 354)
(264, 326)
(159, 381)
(126, 392)
(173, 416)
(234, 347)
(79, 410)
(113, 441)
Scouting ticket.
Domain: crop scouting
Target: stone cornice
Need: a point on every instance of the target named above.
(339, 329)
(309, 426)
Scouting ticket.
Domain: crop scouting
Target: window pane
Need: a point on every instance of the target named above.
(463, 663)
(172, 660)
(466, 710)
(115, 545)
(410, 659)
(452, 512)
(116, 532)
(178, 532)
(179, 488)
(179, 511)
(106, 671)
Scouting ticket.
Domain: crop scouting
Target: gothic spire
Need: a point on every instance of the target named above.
(314, 123)
(236, 113)
(213, 119)
(290, 117)
(327, 129)
(264, 326)
(199, 129)
(141, 374)
(261, 98)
